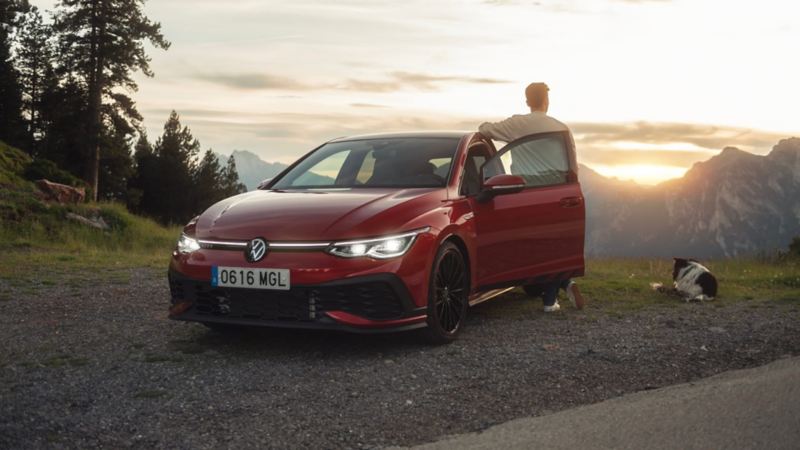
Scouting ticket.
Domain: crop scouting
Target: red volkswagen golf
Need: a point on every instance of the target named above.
(383, 233)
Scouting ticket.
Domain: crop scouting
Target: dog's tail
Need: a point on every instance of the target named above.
(658, 287)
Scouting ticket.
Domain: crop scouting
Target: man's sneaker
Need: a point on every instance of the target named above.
(552, 308)
(574, 295)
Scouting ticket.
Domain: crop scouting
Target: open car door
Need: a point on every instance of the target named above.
(536, 234)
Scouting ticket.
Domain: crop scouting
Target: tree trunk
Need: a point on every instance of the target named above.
(34, 104)
(95, 100)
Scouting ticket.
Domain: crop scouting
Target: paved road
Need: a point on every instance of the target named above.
(752, 408)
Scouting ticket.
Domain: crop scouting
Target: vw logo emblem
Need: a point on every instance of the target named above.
(256, 249)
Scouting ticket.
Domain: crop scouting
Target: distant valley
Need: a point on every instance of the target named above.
(734, 204)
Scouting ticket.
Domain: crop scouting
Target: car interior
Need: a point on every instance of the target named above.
(378, 163)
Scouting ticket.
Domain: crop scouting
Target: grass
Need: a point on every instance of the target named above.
(39, 243)
(617, 287)
(624, 284)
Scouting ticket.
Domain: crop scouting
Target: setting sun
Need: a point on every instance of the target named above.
(641, 173)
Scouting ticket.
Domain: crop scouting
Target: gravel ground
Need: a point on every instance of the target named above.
(96, 363)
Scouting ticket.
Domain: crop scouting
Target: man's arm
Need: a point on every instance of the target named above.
(498, 131)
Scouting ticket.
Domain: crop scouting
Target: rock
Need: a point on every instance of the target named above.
(60, 193)
(716, 329)
(94, 222)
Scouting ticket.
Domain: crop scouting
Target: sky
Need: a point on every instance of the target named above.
(648, 87)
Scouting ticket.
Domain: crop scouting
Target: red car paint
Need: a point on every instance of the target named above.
(533, 235)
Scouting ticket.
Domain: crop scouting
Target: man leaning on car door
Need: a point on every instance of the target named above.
(520, 125)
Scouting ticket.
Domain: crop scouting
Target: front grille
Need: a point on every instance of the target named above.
(373, 300)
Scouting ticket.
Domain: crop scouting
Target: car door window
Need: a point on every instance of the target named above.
(539, 160)
(471, 182)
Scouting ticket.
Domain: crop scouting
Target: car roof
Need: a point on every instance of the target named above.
(405, 134)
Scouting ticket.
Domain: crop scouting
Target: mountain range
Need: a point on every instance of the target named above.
(736, 203)
(252, 169)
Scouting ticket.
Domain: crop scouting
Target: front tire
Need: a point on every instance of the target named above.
(448, 295)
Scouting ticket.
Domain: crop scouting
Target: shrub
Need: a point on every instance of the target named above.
(44, 168)
(794, 247)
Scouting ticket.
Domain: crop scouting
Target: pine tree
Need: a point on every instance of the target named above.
(10, 89)
(230, 179)
(34, 61)
(208, 178)
(103, 41)
(64, 133)
(116, 164)
(145, 174)
(176, 152)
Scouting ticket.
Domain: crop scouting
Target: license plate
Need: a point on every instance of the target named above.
(240, 277)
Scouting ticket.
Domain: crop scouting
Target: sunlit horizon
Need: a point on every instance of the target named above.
(649, 87)
(644, 174)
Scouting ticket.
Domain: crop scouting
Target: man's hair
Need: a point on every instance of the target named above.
(536, 94)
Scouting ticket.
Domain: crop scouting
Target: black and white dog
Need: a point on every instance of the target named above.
(692, 281)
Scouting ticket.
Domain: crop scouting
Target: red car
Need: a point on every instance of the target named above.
(383, 233)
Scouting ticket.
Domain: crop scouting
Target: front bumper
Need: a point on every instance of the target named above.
(370, 303)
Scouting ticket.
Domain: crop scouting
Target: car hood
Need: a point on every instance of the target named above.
(316, 215)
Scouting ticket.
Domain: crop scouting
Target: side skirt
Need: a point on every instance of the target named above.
(488, 295)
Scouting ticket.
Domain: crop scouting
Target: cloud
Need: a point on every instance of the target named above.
(367, 105)
(280, 136)
(711, 137)
(394, 81)
(427, 81)
(558, 5)
(674, 144)
(254, 81)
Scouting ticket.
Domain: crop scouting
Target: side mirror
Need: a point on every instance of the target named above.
(264, 183)
(501, 184)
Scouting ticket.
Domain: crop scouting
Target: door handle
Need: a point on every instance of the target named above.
(570, 202)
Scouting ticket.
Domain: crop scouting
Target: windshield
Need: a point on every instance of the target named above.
(394, 162)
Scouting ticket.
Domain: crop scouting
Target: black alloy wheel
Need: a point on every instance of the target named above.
(448, 297)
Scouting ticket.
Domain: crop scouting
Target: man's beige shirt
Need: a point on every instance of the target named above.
(520, 125)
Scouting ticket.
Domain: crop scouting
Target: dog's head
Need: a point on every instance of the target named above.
(679, 264)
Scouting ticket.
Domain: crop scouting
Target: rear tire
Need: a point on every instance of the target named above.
(448, 295)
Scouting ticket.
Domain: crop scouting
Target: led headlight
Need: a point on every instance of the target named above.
(380, 248)
(187, 244)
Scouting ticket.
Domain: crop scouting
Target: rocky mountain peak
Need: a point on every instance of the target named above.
(730, 158)
(787, 150)
(252, 169)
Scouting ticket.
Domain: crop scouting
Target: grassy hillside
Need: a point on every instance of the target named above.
(34, 232)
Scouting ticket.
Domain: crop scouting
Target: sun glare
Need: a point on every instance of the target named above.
(641, 173)
(666, 146)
